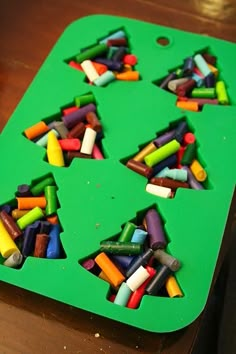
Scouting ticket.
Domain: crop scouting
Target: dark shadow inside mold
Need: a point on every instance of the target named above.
(111, 59)
(205, 88)
(183, 167)
(30, 223)
(123, 260)
(70, 126)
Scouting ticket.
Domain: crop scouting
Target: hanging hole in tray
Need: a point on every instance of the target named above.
(107, 60)
(75, 132)
(30, 223)
(133, 257)
(170, 161)
(163, 41)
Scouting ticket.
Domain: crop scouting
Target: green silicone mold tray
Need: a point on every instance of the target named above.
(98, 197)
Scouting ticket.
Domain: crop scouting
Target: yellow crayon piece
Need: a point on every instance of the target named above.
(198, 171)
(148, 149)
(127, 67)
(54, 151)
(7, 245)
(17, 213)
(213, 69)
(173, 288)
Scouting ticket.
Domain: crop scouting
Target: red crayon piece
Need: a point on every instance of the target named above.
(69, 110)
(188, 86)
(137, 295)
(117, 42)
(75, 65)
(77, 131)
(169, 183)
(202, 101)
(70, 144)
(41, 244)
(189, 138)
(130, 59)
(180, 154)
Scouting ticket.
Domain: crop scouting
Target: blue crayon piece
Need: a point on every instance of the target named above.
(141, 260)
(139, 236)
(23, 190)
(199, 80)
(54, 246)
(29, 238)
(192, 180)
(123, 295)
(209, 80)
(116, 35)
(168, 162)
(188, 66)
(111, 64)
(123, 261)
(6, 208)
(181, 129)
(119, 54)
(44, 227)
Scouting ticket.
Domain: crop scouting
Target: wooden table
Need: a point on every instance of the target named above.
(30, 323)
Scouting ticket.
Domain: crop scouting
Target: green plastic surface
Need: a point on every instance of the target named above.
(98, 197)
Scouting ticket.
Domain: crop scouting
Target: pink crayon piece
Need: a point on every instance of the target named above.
(96, 153)
(198, 72)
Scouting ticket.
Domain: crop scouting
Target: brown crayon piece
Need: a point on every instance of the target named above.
(73, 154)
(140, 168)
(77, 131)
(41, 244)
(183, 89)
(92, 119)
(10, 225)
(210, 59)
(169, 183)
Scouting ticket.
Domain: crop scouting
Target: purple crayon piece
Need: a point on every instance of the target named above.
(155, 230)
(23, 190)
(164, 139)
(210, 80)
(111, 64)
(73, 118)
(165, 82)
(192, 180)
(91, 266)
(29, 238)
(44, 227)
(170, 161)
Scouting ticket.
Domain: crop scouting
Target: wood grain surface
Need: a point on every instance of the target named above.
(30, 323)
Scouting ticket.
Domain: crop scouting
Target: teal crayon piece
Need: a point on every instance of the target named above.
(162, 153)
(116, 35)
(202, 64)
(105, 78)
(123, 295)
(44, 139)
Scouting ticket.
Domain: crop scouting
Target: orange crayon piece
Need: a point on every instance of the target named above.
(100, 68)
(53, 219)
(36, 130)
(26, 203)
(54, 151)
(173, 288)
(109, 268)
(189, 106)
(128, 76)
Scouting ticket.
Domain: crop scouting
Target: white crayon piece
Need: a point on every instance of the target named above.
(89, 70)
(137, 278)
(159, 191)
(173, 84)
(88, 141)
(14, 260)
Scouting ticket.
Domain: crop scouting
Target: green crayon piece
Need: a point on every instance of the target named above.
(127, 232)
(162, 153)
(32, 216)
(221, 93)
(121, 248)
(179, 73)
(189, 154)
(51, 198)
(91, 53)
(39, 187)
(84, 100)
(203, 92)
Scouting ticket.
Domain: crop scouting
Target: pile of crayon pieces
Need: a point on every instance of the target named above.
(77, 133)
(170, 162)
(110, 59)
(197, 83)
(32, 228)
(137, 263)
